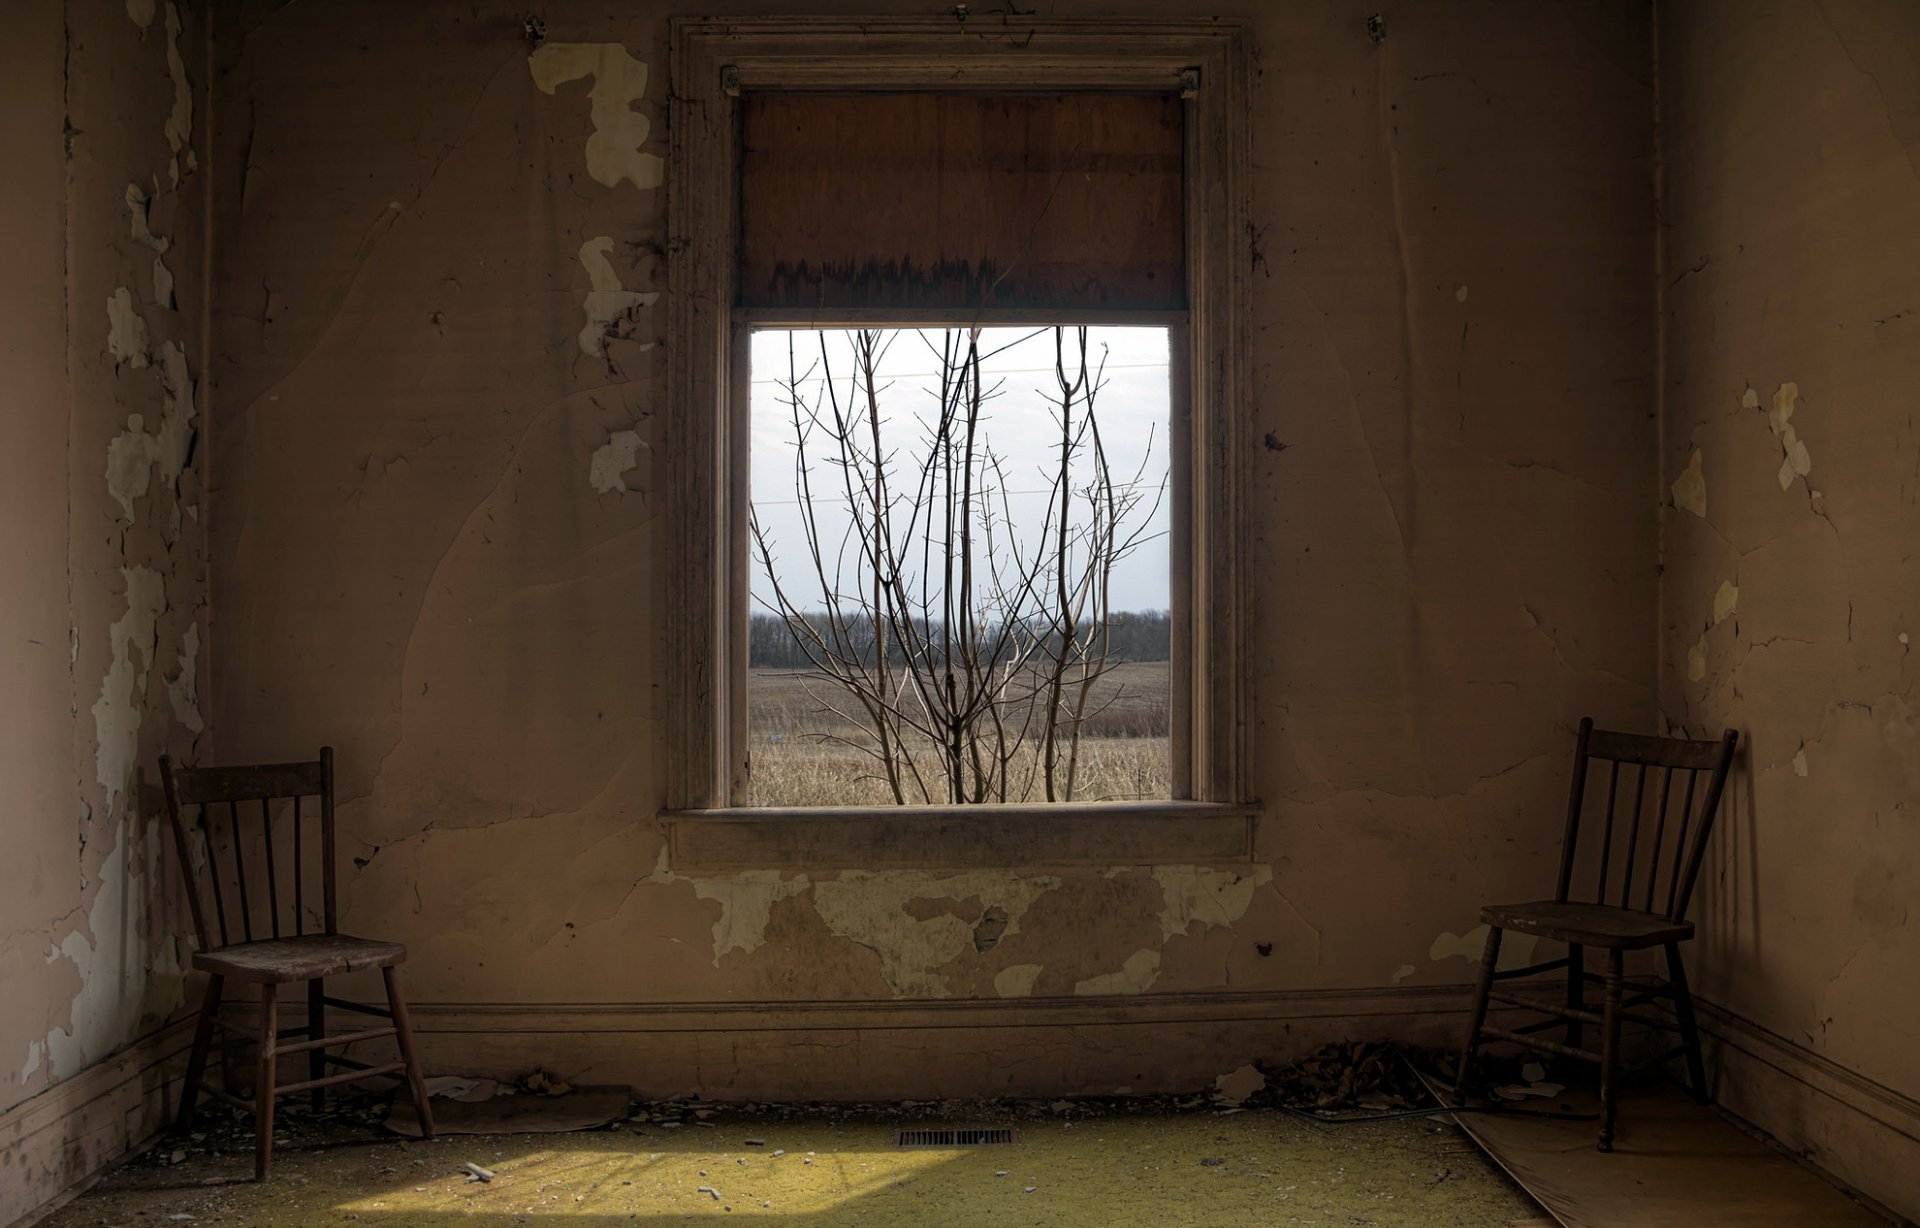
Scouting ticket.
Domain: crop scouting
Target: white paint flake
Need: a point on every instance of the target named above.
(116, 714)
(126, 331)
(1690, 488)
(180, 118)
(607, 303)
(1017, 981)
(1725, 601)
(1210, 897)
(1137, 975)
(619, 81)
(611, 461)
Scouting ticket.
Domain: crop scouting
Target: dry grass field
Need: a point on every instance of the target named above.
(797, 762)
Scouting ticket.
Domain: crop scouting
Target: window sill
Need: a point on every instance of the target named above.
(940, 837)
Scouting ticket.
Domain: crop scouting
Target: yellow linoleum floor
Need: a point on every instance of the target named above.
(1089, 1167)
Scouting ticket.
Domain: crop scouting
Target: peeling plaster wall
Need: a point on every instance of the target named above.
(103, 567)
(438, 544)
(1790, 597)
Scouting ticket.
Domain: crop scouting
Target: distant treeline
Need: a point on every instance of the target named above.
(1134, 635)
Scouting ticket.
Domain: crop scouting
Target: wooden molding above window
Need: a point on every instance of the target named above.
(735, 81)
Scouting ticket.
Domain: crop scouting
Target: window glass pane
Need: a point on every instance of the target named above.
(960, 566)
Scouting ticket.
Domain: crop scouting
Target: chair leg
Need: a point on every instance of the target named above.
(1576, 992)
(1610, 1047)
(263, 1081)
(1489, 959)
(202, 1045)
(403, 1033)
(1689, 1027)
(317, 1030)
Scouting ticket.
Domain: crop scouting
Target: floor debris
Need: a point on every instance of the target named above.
(477, 1173)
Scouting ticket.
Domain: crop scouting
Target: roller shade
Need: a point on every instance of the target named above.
(961, 201)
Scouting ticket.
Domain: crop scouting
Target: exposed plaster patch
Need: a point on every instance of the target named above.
(1210, 897)
(133, 454)
(1515, 948)
(140, 12)
(1237, 1085)
(1725, 601)
(163, 285)
(1800, 760)
(611, 461)
(1460, 295)
(138, 222)
(116, 714)
(1017, 981)
(1402, 973)
(183, 689)
(1690, 488)
(180, 118)
(870, 908)
(122, 979)
(126, 331)
(746, 902)
(619, 81)
(1796, 461)
(1137, 975)
(1697, 659)
(606, 304)
(36, 1053)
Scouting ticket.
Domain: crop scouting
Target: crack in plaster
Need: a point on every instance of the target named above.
(619, 81)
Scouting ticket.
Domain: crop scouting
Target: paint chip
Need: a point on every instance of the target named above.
(612, 460)
(1690, 488)
(607, 304)
(619, 81)
(1017, 981)
(1697, 659)
(1137, 975)
(1460, 295)
(1796, 461)
(180, 119)
(1800, 760)
(126, 330)
(1725, 601)
(1402, 973)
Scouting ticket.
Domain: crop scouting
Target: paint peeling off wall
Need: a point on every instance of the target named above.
(612, 461)
(1690, 488)
(183, 686)
(610, 309)
(619, 81)
(118, 711)
(1197, 895)
(1017, 980)
(1137, 975)
(179, 127)
(1516, 949)
(126, 330)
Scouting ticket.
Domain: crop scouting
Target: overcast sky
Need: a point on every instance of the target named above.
(1020, 425)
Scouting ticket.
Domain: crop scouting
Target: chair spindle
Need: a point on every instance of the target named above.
(1606, 833)
(1633, 836)
(273, 876)
(1659, 835)
(1680, 841)
(240, 870)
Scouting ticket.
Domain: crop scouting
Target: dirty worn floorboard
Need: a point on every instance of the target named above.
(1165, 1169)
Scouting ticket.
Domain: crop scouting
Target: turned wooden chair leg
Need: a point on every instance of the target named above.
(1689, 1027)
(317, 1030)
(202, 1045)
(403, 1034)
(263, 1083)
(1489, 959)
(1576, 992)
(1610, 1047)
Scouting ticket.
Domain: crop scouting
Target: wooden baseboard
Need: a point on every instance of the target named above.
(53, 1145)
(1861, 1134)
(923, 1049)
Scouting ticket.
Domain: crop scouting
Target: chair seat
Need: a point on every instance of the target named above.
(299, 959)
(1589, 925)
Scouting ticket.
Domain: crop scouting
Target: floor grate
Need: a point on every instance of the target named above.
(995, 1136)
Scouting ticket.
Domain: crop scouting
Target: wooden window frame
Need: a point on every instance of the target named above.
(714, 61)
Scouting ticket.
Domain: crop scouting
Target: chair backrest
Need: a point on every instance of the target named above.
(1630, 877)
(277, 844)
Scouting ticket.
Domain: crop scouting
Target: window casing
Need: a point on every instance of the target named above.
(718, 62)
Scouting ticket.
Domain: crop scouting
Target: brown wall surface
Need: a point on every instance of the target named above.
(103, 566)
(1792, 207)
(1454, 356)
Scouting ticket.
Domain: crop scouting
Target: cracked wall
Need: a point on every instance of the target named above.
(104, 599)
(438, 479)
(1793, 322)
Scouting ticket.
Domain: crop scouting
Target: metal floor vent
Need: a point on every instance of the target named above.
(997, 1136)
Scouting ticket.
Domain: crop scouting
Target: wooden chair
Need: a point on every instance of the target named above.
(276, 952)
(1644, 914)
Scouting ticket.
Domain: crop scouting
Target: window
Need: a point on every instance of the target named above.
(766, 235)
